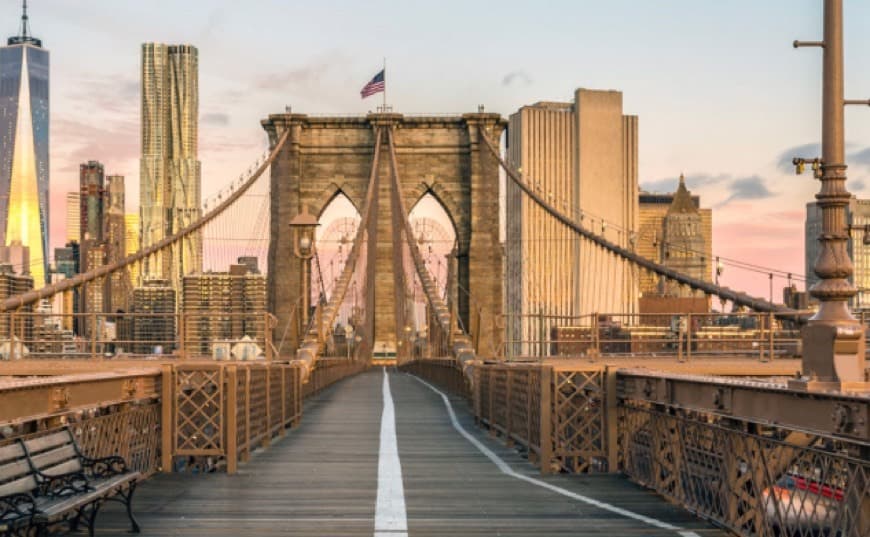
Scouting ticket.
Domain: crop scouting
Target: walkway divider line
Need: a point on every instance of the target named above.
(391, 519)
(507, 470)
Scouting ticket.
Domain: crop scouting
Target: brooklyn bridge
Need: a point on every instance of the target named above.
(404, 394)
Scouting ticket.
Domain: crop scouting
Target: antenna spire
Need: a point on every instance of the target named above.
(24, 24)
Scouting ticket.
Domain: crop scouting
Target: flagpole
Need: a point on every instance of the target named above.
(385, 83)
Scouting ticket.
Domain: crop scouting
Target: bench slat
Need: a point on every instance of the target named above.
(14, 470)
(67, 467)
(42, 443)
(44, 462)
(10, 452)
(51, 507)
(19, 486)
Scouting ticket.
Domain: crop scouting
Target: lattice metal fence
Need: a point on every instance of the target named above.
(223, 412)
(755, 481)
(132, 432)
(754, 478)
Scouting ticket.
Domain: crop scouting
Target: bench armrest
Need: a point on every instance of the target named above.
(16, 506)
(104, 467)
(63, 485)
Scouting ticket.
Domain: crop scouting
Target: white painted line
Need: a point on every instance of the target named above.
(506, 469)
(390, 517)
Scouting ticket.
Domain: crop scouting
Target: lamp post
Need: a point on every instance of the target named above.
(302, 227)
(408, 343)
(347, 339)
(833, 340)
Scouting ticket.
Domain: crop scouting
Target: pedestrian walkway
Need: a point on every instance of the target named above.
(353, 467)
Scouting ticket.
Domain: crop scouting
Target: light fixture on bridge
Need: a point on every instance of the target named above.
(303, 226)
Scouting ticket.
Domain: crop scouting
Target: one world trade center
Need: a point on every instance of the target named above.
(24, 148)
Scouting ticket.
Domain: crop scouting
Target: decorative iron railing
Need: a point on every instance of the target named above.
(756, 457)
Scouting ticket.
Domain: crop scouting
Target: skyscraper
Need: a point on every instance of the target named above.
(169, 170)
(92, 193)
(582, 157)
(24, 114)
(119, 286)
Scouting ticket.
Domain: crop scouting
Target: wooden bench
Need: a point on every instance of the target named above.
(63, 486)
(17, 482)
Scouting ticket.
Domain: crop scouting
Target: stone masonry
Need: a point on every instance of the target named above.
(442, 155)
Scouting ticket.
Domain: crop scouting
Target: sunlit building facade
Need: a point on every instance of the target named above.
(170, 194)
(73, 212)
(131, 244)
(118, 284)
(24, 143)
(580, 156)
(653, 210)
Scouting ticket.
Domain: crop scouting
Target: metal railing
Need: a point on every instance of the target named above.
(191, 416)
(187, 335)
(756, 457)
(109, 413)
(684, 336)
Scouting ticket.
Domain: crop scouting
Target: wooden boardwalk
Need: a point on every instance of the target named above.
(322, 479)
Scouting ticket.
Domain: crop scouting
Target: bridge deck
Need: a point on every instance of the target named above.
(322, 479)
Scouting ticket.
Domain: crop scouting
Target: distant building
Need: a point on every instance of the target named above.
(221, 306)
(858, 246)
(131, 244)
(170, 191)
(153, 319)
(62, 305)
(251, 262)
(653, 209)
(24, 147)
(581, 156)
(119, 284)
(66, 259)
(92, 195)
(17, 255)
(683, 247)
(73, 217)
(12, 284)
(94, 292)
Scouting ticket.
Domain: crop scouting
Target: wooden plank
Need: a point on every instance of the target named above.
(12, 451)
(19, 486)
(50, 458)
(49, 441)
(14, 469)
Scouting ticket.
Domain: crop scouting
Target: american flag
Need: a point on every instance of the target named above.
(375, 85)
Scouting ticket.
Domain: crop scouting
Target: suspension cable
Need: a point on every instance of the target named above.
(34, 296)
(741, 299)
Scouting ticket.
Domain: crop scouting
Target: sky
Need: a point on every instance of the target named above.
(721, 94)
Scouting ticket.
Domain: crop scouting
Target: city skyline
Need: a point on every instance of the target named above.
(760, 105)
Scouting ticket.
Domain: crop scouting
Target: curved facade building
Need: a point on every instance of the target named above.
(169, 172)
(24, 114)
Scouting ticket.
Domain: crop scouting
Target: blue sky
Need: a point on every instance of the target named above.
(720, 92)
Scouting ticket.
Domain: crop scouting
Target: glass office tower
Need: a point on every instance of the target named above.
(24, 112)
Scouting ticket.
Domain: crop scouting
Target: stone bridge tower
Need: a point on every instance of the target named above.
(440, 155)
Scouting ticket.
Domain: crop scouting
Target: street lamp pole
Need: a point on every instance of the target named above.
(302, 227)
(833, 340)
